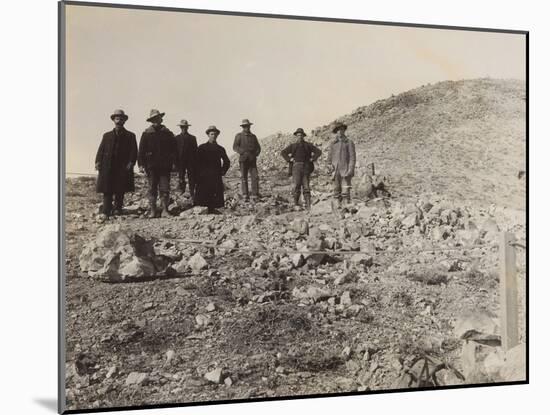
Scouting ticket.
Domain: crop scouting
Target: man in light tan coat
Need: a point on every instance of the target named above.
(341, 158)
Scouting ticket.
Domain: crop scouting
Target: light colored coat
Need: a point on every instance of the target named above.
(341, 155)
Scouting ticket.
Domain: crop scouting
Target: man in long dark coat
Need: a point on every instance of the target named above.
(302, 155)
(157, 157)
(187, 157)
(248, 147)
(212, 163)
(115, 160)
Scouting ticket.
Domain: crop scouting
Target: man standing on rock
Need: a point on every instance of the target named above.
(157, 157)
(247, 146)
(302, 155)
(187, 157)
(341, 157)
(115, 160)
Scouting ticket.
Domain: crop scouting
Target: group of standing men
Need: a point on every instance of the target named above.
(160, 152)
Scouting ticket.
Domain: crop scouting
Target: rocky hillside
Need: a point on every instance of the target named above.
(463, 139)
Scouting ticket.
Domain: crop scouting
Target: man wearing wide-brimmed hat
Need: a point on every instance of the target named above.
(302, 155)
(212, 164)
(157, 157)
(187, 157)
(115, 160)
(248, 147)
(341, 157)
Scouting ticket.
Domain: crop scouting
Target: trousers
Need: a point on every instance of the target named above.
(187, 170)
(158, 182)
(301, 179)
(247, 167)
(342, 190)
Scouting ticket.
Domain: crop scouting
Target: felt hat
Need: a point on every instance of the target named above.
(212, 128)
(300, 131)
(118, 113)
(339, 125)
(184, 123)
(154, 114)
(245, 122)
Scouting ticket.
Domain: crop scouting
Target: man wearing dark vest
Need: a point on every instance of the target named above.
(187, 157)
(302, 155)
(157, 157)
(115, 160)
(247, 146)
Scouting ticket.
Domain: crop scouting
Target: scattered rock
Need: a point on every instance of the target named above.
(362, 259)
(111, 372)
(136, 378)
(214, 376)
(202, 320)
(298, 260)
(345, 299)
(197, 263)
(410, 221)
(117, 254)
(318, 294)
(169, 356)
(180, 267)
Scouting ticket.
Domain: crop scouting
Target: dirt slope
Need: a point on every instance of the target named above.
(464, 139)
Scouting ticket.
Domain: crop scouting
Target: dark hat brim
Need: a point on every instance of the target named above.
(184, 125)
(156, 116)
(119, 115)
(300, 132)
(339, 127)
(212, 129)
(250, 123)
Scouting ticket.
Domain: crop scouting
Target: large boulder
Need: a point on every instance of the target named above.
(118, 254)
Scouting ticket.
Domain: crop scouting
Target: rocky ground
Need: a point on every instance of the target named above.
(241, 313)
(265, 301)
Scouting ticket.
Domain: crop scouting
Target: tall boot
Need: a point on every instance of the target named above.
(164, 202)
(107, 204)
(153, 208)
(347, 196)
(119, 201)
(336, 204)
(296, 201)
(307, 199)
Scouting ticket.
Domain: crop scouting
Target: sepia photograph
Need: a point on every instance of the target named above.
(260, 207)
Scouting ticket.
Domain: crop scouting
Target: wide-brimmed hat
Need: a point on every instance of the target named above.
(300, 131)
(212, 128)
(118, 113)
(154, 114)
(246, 122)
(339, 125)
(184, 123)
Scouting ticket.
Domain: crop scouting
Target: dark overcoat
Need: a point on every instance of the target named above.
(113, 156)
(187, 150)
(212, 164)
(157, 150)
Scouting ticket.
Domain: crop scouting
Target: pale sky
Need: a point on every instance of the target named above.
(281, 74)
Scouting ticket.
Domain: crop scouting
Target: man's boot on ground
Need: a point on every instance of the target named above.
(307, 199)
(164, 203)
(347, 197)
(119, 201)
(153, 213)
(296, 201)
(336, 204)
(107, 205)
